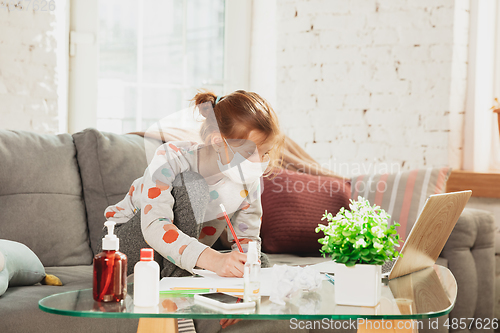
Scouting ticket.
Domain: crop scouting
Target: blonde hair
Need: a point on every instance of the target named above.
(238, 113)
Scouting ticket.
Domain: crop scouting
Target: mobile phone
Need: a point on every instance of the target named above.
(223, 301)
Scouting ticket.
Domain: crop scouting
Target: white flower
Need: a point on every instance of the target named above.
(360, 242)
(376, 230)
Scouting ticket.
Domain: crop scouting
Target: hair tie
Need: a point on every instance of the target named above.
(217, 100)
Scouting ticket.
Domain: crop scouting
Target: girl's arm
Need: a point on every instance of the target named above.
(157, 219)
(157, 201)
(247, 219)
(124, 210)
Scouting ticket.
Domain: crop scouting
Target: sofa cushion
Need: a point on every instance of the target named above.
(497, 286)
(402, 195)
(109, 163)
(497, 242)
(19, 310)
(41, 197)
(293, 204)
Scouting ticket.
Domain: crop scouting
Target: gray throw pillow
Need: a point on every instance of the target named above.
(19, 266)
(109, 163)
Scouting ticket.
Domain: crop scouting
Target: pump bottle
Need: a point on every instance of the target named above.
(251, 274)
(110, 270)
(146, 280)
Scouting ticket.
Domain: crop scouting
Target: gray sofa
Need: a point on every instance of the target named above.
(53, 192)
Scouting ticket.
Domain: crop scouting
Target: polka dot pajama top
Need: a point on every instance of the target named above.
(152, 194)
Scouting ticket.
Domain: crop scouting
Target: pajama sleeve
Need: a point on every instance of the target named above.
(157, 216)
(246, 220)
(124, 210)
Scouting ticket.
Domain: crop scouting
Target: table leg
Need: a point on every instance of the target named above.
(160, 325)
(387, 326)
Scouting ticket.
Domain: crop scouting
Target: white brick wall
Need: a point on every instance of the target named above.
(263, 49)
(28, 69)
(373, 82)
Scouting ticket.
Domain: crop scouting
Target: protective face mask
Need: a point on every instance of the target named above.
(240, 170)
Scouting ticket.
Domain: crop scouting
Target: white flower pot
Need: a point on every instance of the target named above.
(359, 285)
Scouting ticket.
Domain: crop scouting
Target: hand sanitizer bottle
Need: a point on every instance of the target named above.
(251, 274)
(146, 280)
(110, 270)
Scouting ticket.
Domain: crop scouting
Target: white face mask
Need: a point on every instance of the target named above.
(240, 170)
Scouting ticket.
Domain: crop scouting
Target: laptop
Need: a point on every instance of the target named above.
(429, 234)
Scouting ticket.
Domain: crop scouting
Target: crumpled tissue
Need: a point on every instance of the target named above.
(287, 280)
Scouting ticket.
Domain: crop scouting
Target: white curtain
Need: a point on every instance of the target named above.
(495, 144)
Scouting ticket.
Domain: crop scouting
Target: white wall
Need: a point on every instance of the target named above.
(372, 86)
(32, 78)
(263, 49)
(381, 83)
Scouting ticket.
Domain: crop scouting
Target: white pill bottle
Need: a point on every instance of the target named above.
(146, 280)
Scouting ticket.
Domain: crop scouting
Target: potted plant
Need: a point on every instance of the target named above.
(360, 241)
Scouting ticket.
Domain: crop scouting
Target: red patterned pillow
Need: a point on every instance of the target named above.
(402, 195)
(293, 204)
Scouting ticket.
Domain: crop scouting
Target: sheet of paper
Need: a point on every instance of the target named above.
(325, 267)
(168, 283)
(213, 281)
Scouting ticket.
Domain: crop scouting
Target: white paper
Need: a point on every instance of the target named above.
(211, 280)
(287, 280)
(325, 267)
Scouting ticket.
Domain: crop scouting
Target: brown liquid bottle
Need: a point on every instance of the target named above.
(110, 270)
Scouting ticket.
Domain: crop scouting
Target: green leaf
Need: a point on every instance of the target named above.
(355, 255)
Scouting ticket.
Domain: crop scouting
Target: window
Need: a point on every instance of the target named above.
(495, 144)
(153, 57)
(133, 62)
(480, 122)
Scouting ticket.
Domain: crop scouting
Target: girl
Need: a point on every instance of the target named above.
(175, 208)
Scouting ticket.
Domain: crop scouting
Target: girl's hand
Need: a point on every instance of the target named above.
(228, 322)
(223, 264)
(231, 264)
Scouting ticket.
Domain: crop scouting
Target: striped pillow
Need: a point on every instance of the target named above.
(402, 195)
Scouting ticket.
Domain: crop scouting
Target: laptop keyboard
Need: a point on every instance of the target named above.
(387, 266)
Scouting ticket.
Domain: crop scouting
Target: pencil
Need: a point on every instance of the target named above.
(186, 291)
(230, 290)
(231, 228)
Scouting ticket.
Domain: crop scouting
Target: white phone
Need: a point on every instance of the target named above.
(222, 301)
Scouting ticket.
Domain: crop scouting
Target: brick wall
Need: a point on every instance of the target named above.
(28, 69)
(263, 49)
(373, 86)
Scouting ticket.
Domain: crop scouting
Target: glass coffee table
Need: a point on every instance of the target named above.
(428, 293)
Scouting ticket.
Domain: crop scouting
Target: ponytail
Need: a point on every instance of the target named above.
(201, 100)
